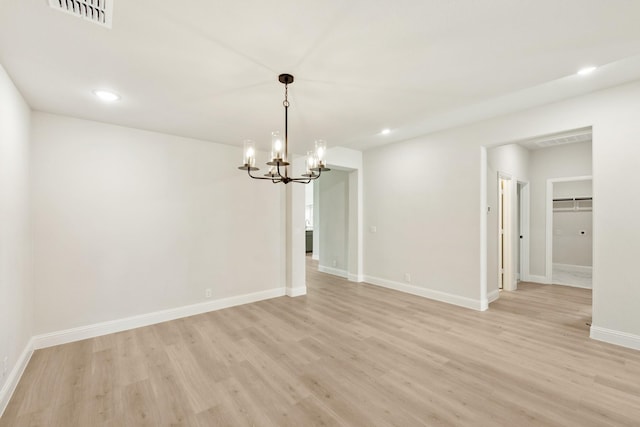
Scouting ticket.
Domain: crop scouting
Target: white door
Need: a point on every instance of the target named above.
(507, 229)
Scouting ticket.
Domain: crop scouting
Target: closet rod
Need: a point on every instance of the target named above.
(571, 199)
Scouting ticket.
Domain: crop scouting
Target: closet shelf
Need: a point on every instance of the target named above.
(573, 204)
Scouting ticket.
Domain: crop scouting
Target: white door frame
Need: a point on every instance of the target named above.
(549, 223)
(504, 232)
(511, 241)
(525, 201)
(316, 221)
(514, 241)
(485, 210)
(354, 255)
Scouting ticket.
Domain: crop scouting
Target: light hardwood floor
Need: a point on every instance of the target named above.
(345, 354)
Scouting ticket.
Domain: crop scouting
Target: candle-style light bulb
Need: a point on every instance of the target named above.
(249, 155)
(312, 162)
(321, 152)
(277, 146)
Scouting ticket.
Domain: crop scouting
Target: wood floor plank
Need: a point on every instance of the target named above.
(346, 354)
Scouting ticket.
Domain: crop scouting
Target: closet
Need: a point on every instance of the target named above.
(572, 233)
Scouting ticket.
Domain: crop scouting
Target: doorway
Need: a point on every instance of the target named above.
(570, 232)
(513, 232)
(525, 168)
(338, 216)
(308, 217)
(332, 222)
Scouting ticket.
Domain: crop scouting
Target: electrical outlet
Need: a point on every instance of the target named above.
(207, 293)
(407, 277)
(335, 262)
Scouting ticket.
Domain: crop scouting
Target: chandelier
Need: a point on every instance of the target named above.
(279, 170)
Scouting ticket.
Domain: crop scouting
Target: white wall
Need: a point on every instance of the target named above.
(333, 212)
(128, 222)
(421, 198)
(428, 211)
(16, 290)
(582, 188)
(293, 224)
(548, 163)
(513, 160)
(572, 238)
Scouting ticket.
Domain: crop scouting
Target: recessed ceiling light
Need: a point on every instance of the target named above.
(386, 131)
(106, 95)
(586, 70)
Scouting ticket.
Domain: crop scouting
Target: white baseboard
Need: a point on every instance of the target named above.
(544, 281)
(355, 277)
(615, 337)
(577, 268)
(112, 326)
(296, 292)
(573, 285)
(538, 279)
(493, 295)
(315, 257)
(427, 293)
(14, 376)
(335, 271)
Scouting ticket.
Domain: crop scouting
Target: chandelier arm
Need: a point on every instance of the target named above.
(257, 177)
(278, 170)
(308, 179)
(313, 178)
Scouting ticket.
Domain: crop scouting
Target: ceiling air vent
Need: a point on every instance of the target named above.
(567, 137)
(97, 11)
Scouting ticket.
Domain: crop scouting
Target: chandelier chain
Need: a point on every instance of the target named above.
(286, 96)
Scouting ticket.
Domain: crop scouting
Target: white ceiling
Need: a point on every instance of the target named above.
(208, 69)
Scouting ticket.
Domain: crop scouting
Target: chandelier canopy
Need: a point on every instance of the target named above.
(279, 170)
